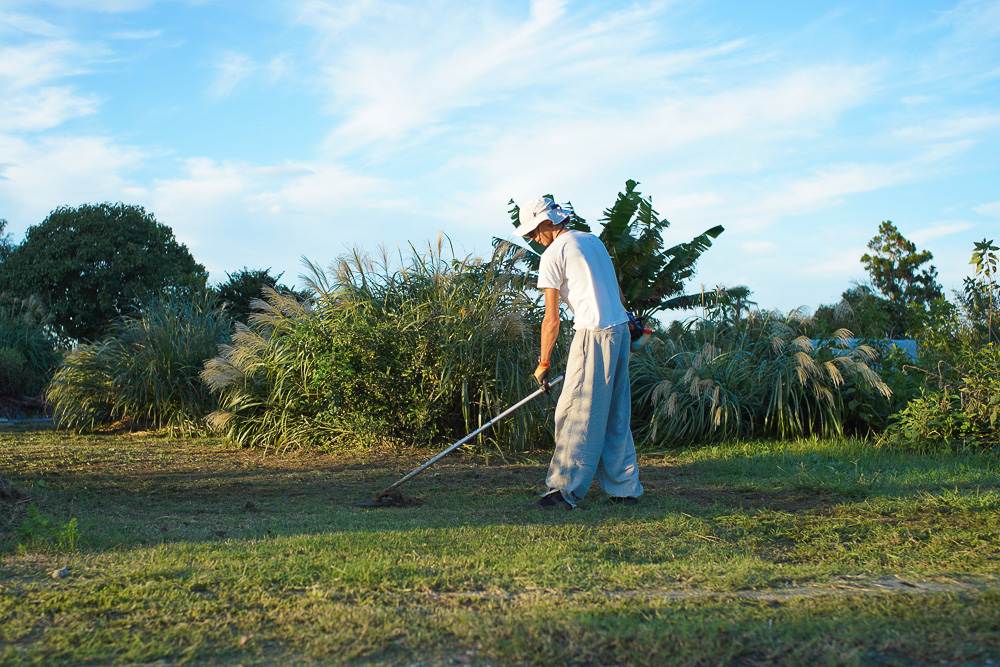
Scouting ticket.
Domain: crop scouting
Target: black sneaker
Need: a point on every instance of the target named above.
(627, 500)
(551, 501)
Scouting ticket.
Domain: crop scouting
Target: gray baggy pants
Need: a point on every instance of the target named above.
(592, 419)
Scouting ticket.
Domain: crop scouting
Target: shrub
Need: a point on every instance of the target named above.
(145, 371)
(13, 376)
(28, 351)
(753, 375)
(261, 379)
(381, 355)
(962, 412)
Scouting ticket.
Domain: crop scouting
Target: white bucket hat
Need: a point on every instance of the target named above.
(537, 211)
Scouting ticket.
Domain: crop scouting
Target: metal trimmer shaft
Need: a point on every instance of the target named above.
(524, 401)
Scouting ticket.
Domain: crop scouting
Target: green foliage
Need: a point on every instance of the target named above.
(245, 286)
(900, 372)
(753, 374)
(14, 377)
(981, 296)
(651, 278)
(861, 311)
(39, 532)
(5, 245)
(958, 405)
(96, 263)
(947, 332)
(145, 371)
(962, 411)
(381, 355)
(28, 351)
(894, 268)
(262, 379)
(985, 258)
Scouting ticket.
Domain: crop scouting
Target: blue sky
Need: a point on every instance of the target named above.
(262, 132)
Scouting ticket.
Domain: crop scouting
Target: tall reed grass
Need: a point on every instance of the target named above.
(145, 371)
(754, 375)
(398, 351)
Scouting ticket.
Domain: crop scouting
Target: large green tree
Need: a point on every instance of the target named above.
(93, 264)
(651, 277)
(894, 267)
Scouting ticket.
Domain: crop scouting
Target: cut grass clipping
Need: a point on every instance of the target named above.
(143, 549)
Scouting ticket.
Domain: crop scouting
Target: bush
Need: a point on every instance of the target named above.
(145, 371)
(753, 375)
(14, 377)
(961, 413)
(28, 351)
(406, 356)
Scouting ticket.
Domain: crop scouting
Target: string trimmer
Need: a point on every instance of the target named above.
(391, 496)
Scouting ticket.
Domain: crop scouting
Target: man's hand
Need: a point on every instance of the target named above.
(635, 328)
(542, 375)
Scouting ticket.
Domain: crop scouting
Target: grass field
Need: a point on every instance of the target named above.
(183, 551)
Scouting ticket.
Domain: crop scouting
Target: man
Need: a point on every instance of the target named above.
(594, 408)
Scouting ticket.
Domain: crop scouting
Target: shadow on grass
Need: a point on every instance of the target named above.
(134, 491)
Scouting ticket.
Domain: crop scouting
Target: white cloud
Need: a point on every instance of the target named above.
(939, 230)
(333, 18)
(29, 100)
(234, 68)
(759, 247)
(35, 64)
(711, 135)
(233, 214)
(43, 109)
(38, 176)
(973, 21)
(839, 263)
(24, 23)
(108, 6)
(948, 128)
(828, 185)
(991, 210)
(417, 70)
(318, 188)
(965, 55)
(916, 100)
(136, 34)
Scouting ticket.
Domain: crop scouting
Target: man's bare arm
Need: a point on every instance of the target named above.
(550, 323)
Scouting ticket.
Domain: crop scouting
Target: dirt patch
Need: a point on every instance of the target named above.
(777, 500)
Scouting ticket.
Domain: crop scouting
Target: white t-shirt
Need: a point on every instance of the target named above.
(578, 265)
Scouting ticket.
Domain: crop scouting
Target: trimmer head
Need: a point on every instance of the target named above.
(389, 498)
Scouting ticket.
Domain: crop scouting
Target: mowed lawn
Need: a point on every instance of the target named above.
(186, 552)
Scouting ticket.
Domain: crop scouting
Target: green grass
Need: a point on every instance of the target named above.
(825, 552)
